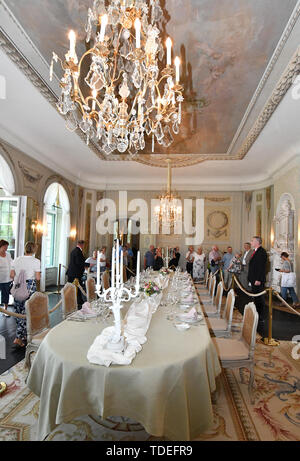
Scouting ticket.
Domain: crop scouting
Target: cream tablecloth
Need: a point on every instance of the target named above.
(167, 388)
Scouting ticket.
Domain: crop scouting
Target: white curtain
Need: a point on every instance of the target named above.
(6, 178)
(63, 237)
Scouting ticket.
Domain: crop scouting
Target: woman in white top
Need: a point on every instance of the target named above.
(32, 268)
(5, 279)
(198, 265)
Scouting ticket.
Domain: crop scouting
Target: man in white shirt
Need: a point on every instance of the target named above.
(245, 265)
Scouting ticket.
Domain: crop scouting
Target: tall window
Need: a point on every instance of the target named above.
(50, 239)
(9, 223)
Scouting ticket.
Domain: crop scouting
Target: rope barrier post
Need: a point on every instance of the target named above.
(269, 341)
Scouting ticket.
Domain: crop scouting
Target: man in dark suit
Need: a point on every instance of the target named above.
(76, 268)
(257, 275)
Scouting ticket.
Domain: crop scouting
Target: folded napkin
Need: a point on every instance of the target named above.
(189, 298)
(86, 309)
(136, 325)
(191, 315)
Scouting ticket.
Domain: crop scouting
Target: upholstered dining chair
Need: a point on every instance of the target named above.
(213, 308)
(209, 297)
(90, 286)
(239, 352)
(222, 326)
(105, 280)
(204, 288)
(69, 299)
(37, 323)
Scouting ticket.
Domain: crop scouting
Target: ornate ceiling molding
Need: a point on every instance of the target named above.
(183, 160)
(283, 86)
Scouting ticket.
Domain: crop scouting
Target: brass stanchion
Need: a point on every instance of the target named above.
(269, 341)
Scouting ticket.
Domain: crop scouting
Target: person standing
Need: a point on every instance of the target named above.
(92, 261)
(198, 265)
(158, 261)
(76, 269)
(149, 257)
(257, 274)
(288, 280)
(214, 259)
(32, 268)
(189, 259)
(5, 279)
(245, 265)
(226, 261)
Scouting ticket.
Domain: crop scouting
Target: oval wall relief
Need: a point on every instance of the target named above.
(217, 220)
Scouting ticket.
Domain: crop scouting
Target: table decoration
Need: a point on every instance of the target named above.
(117, 293)
(150, 289)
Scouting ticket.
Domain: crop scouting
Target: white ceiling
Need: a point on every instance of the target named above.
(30, 123)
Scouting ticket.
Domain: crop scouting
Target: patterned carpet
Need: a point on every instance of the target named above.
(275, 416)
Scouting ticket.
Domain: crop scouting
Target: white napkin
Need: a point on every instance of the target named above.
(136, 325)
(191, 315)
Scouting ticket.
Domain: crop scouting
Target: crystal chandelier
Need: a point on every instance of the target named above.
(169, 211)
(117, 92)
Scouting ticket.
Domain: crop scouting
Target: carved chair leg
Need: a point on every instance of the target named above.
(242, 375)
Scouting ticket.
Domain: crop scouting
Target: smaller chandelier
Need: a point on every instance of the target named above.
(117, 92)
(169, 211)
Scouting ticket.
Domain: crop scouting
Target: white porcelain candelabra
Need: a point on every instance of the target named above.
(117, 294)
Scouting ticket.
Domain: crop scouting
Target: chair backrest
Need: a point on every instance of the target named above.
(90, 289)
(218, 297)
(37, 314)
(228, 309)
(105, 280)
(209, 282)
(213, 287)
(206, 277)
(249, 327)
(69, 299)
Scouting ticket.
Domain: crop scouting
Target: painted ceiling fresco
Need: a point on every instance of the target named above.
(225, 46)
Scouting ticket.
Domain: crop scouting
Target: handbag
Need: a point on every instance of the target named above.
(19, 290)
(288, 280)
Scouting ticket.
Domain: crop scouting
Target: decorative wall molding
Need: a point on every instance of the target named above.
(29, 174)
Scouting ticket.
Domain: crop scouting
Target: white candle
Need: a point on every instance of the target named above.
(104, 21)
(137, 25)
(167, 253)
(121, 269)
(94, 93)
(138, 272)
(72, 38)
(117, 265)
(98, 269)
(177, 64)
(113, 262)
(169, 47)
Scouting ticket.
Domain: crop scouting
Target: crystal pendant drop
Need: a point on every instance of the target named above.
(136, 76)
(159, 132)
(175, 127)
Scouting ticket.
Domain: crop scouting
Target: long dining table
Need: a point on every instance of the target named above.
(167, 388)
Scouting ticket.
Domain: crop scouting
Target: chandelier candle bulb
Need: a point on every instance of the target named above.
(121, 268)
(117, 265)
(169, 48)
(94, 93)
(177, 64)
(138, 271)
(137, 25)
(72, 38)
(104, 21)
(98, 269)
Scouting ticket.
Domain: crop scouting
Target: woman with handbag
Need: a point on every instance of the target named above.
(26, 270)
(288, 279)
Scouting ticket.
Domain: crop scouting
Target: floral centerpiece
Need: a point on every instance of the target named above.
(150, 288)
(165, 271)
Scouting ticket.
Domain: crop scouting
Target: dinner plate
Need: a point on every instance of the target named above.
(191, 321)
